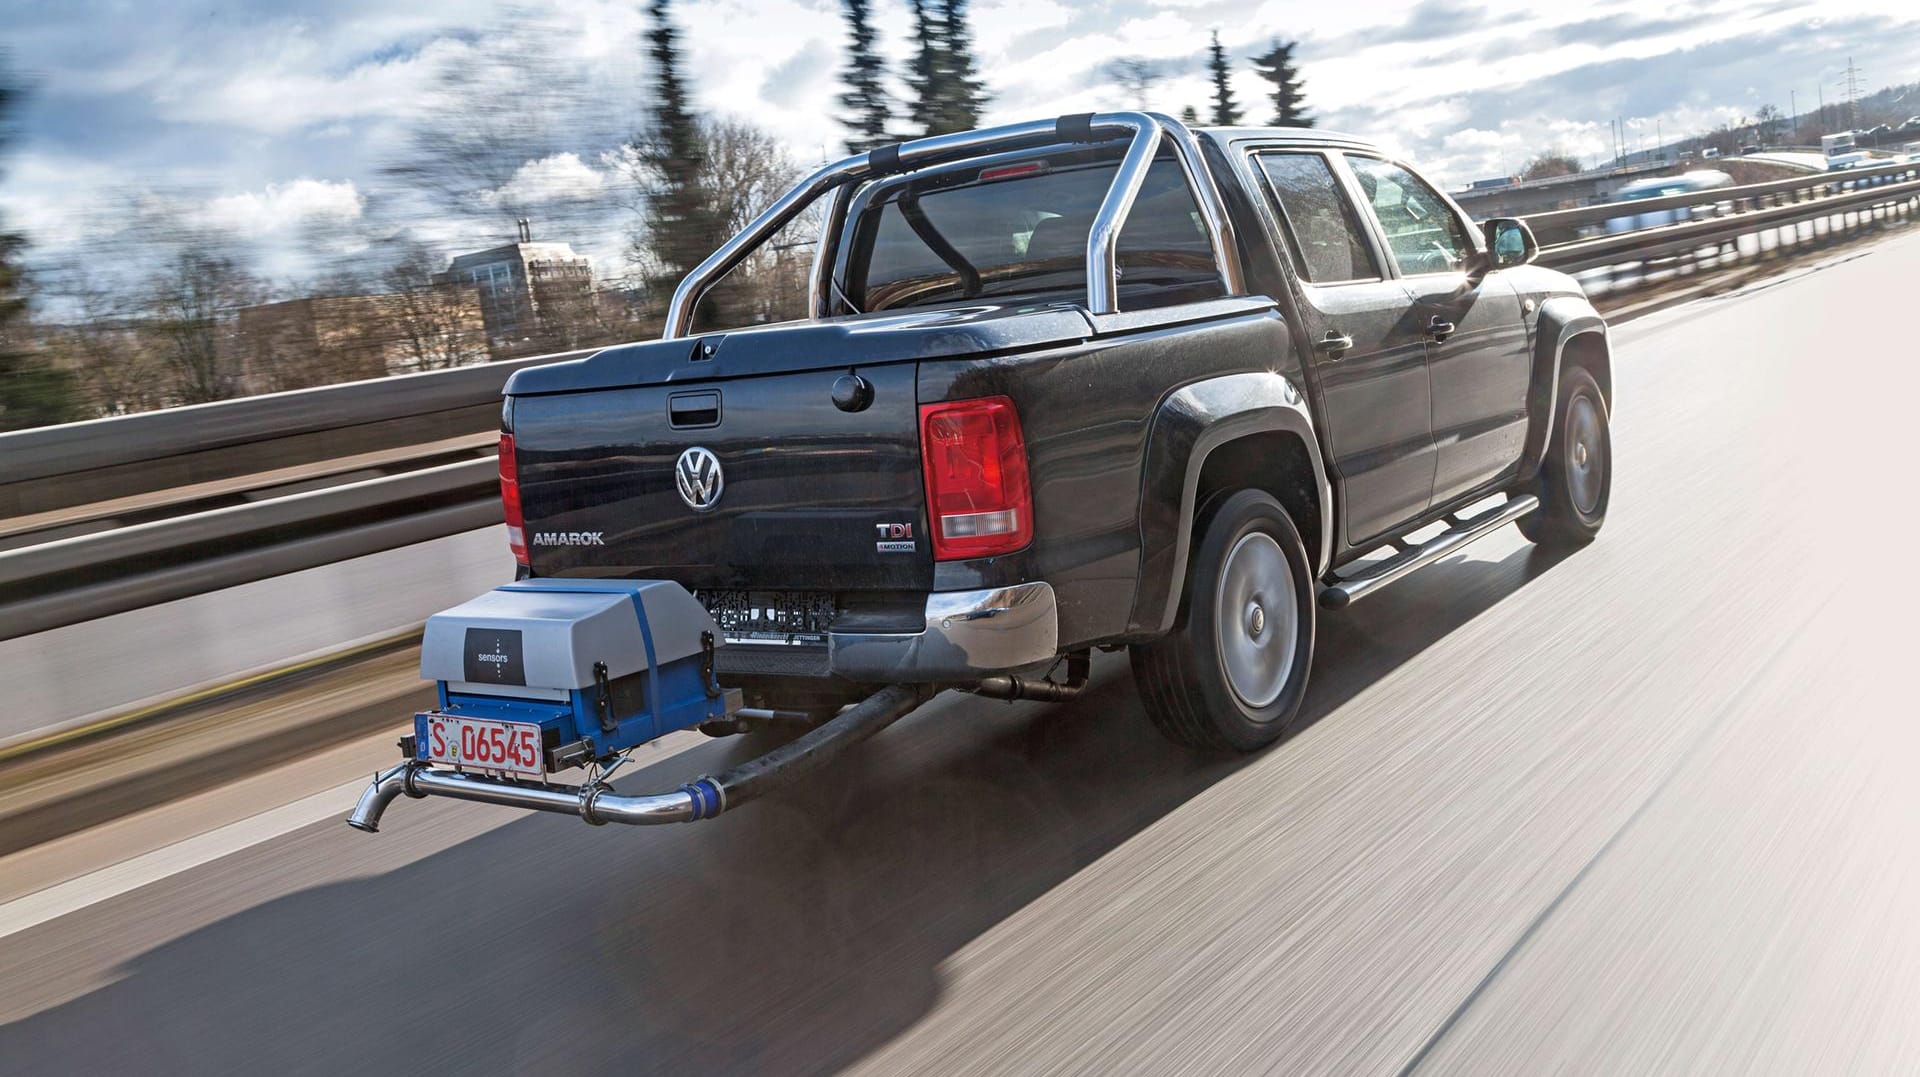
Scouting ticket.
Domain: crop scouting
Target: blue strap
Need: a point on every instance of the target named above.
(653, 668)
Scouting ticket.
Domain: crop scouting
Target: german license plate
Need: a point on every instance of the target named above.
(483, 744)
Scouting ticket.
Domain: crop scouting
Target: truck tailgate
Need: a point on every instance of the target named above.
(810, 497)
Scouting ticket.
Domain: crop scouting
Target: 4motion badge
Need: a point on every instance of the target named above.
(895, 538)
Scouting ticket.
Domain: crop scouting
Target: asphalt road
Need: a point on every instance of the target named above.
(1647, 808)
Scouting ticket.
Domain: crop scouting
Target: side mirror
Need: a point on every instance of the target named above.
(1509, 242)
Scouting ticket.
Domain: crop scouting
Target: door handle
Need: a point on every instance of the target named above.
(1335, 344)
(1439, 328)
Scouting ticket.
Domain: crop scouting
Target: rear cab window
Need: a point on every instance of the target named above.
(1016, 231)
(1328, 242)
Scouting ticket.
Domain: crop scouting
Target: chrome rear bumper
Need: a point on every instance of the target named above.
(968, 635)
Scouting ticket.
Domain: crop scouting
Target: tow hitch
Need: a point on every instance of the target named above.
(545, 675)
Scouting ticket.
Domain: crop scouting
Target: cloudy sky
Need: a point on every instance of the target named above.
(274, 120)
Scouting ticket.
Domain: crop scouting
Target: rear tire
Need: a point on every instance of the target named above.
(1231, 676)
(1576, 478)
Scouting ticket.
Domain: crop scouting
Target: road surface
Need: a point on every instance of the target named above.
(1647, 808)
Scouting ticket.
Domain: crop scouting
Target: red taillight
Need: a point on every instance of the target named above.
(510, 500)
(976, 466)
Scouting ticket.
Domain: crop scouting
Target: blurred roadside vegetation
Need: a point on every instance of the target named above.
(161, 306)
(461, 249)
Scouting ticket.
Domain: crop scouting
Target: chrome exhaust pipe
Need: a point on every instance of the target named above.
(373, 803)
(702, 798)
(596, 803)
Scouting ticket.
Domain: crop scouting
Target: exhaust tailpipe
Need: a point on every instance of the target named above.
(702, 798)
(373, 803)
(1010, 687)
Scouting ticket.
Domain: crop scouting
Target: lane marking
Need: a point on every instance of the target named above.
(75, 894)
(1700, 739)
(102, 884)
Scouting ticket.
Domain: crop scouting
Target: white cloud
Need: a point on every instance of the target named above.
(263, 103)
(560, 178)
(290, 85)
(1002, 24)
(283, 208)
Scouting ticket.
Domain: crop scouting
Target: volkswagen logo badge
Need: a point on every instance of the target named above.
(699, 479)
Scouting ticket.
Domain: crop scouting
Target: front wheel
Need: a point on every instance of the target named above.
(1576, 478)
(1232, 676)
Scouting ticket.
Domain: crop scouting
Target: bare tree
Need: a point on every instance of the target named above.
(102, 344)
(189, 319)
(1553, 162)
(1136, 76)
(436, 324)
(740, 171)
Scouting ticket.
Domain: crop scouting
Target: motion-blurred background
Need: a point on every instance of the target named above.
(204, 203)
(265, 264)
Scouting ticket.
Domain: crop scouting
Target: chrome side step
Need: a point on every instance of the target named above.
(1341, 593)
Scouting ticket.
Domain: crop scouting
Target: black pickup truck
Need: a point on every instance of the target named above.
(1100, 381)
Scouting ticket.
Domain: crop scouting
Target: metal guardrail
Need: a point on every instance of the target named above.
(57, 467)
(1794, 190)
(72, 579)
(1688, 235)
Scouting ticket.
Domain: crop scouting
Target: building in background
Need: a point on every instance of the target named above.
(529, 291)
(324, 340)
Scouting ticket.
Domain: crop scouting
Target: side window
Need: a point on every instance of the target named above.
(1424, 235)
(1321, 226)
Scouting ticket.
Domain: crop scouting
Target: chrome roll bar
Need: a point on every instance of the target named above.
(1146, 132)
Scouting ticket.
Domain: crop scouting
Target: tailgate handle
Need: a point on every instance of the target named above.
(688, 411)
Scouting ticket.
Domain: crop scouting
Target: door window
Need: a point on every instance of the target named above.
(1322, 229)
(1423, 233)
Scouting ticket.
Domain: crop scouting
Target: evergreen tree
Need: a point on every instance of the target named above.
(1190, 116)
(1277, 67)
(1226, 112)
(923, 71)
(32, 391)
(683, 226)
(865, 98)
(964, 95)
(948, 94)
